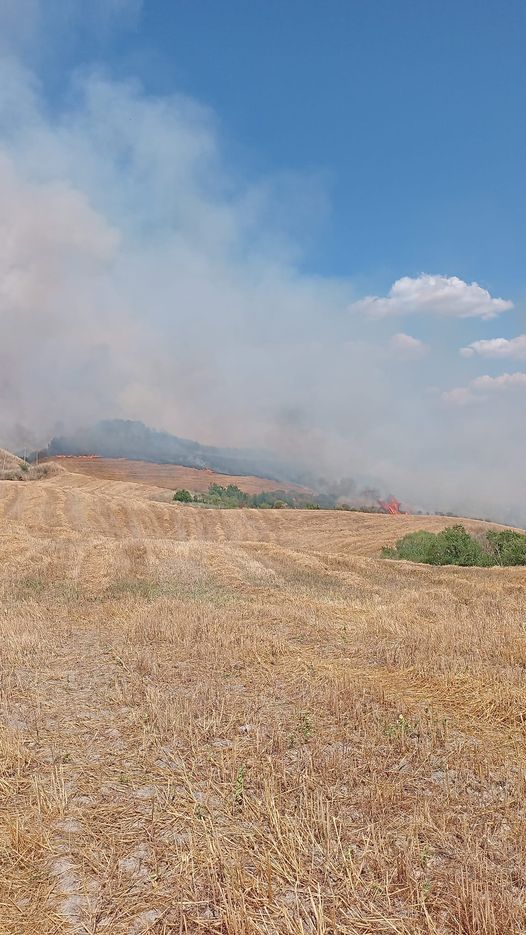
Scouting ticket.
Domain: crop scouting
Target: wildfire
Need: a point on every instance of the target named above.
(391, 505)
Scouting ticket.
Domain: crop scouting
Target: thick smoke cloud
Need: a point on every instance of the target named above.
(141, 277)
(138, 278)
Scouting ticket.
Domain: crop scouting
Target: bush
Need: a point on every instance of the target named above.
(183, 496)
(508, 547)
(232, 497)
(415, 547)
(455, 546)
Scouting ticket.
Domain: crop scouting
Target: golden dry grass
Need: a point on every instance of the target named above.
(170, 476)
(244, 722)
(14, 468)
(9, 461)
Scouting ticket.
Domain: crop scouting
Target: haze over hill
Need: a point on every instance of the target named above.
(119, 438)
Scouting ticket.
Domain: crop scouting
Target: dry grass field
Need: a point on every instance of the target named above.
(15, 468)
(245, 723)
(170, 476)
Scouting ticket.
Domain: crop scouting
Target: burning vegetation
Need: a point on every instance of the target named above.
(232, 497)
(118, 444)
(391, 505)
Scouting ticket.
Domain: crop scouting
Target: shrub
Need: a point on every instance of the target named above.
(183, 496)
(508, 547)
(455, 546)
(415, 547)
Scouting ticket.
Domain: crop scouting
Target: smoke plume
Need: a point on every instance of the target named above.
(143, 277)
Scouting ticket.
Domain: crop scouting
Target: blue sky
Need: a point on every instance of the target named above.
(278, 223)
(410, 112)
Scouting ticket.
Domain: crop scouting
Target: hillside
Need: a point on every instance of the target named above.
(123, 438)
(13, 468)
(169, 476)
(246, 722)
(9, 461)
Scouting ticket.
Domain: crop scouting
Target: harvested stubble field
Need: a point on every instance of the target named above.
(244, 722)
(168, 476)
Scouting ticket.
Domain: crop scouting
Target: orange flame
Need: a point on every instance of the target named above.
(391, 505)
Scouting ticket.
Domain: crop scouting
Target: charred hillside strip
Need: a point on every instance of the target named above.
(119, 438)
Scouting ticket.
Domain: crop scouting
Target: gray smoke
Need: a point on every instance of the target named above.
(142, 278)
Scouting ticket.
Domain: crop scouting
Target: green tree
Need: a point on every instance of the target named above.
(183, 496)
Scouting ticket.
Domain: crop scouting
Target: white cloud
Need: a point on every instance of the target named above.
(406, 346)
(445, 296)
(478, 389)
(514, 348)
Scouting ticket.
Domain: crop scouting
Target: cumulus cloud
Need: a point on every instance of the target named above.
(407, 347)
(444, 296)
(478, 389)
(514, 348)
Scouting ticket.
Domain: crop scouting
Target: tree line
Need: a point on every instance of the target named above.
(232, 497)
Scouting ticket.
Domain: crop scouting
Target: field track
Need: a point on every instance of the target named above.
(242, 721)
